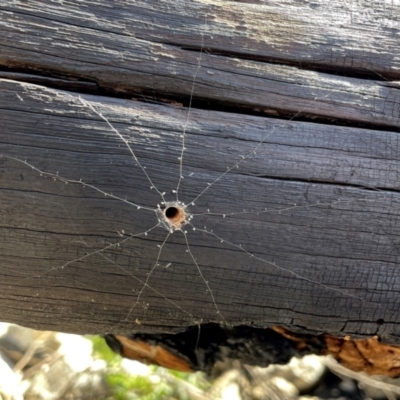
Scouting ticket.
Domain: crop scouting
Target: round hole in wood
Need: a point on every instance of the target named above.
(175, 215)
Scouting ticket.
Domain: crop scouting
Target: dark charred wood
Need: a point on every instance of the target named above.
(297, 216)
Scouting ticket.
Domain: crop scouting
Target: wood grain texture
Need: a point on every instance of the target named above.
(335, 261)
(141, 47)
(303, 234)
(359, 35)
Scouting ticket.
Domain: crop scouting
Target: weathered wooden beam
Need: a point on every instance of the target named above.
(269, 247)
(293, 223)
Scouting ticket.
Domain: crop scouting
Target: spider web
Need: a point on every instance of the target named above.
(149, 164)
